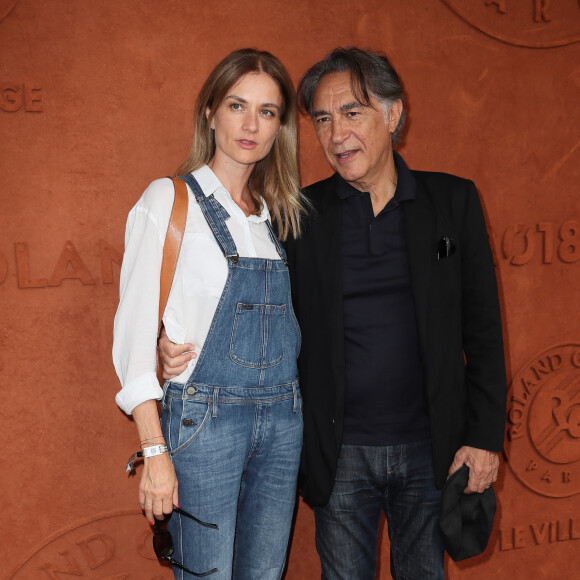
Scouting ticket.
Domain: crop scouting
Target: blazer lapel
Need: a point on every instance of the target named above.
(420, 225)
(327, 242)
(326, 285)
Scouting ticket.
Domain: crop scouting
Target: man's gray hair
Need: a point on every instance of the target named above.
(371, 74)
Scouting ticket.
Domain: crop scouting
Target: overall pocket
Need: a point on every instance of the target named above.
(258, 335)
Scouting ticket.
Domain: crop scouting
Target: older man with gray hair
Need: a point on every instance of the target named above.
(402, 366)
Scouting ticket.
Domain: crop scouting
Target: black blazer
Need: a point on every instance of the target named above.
(458, 319)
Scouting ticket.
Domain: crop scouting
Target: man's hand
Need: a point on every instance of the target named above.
(483, 467)
(174, 357)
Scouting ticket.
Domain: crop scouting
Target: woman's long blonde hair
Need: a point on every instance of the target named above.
(276, 177)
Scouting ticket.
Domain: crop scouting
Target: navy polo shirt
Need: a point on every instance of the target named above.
(385, 400)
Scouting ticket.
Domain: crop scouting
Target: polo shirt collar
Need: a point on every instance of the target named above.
(406, 184)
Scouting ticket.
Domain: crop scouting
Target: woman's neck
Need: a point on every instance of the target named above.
(234, 178)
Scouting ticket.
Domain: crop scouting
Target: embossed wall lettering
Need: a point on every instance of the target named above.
(541, 11)
(69, 266)
(16, 97)
(23, 268)
(543, 426)
(109, 255)
(500, 4)
(551, 242)
(530, 23)
(539, 533)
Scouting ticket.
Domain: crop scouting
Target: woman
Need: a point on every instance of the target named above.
(232, 421)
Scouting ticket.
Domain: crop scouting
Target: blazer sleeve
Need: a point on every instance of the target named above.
(482, 332)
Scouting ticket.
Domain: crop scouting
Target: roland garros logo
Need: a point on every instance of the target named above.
(543, 427)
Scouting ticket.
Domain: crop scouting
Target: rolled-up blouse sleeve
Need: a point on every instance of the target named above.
(135, 328)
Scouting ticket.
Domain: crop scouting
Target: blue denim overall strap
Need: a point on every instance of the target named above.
(213, 210)
(254, 340)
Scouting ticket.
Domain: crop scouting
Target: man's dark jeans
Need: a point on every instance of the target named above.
(398, 480)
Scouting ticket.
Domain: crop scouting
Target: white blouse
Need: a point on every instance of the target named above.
(200, 277)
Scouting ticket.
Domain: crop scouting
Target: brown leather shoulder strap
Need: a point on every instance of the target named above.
(172, 243)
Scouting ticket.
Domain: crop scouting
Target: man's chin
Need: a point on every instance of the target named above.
(349, 174)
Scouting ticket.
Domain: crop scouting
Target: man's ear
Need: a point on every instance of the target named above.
(395, 111)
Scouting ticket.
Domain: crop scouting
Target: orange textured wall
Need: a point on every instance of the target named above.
(96, 100)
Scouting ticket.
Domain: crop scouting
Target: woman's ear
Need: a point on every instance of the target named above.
(207, 112)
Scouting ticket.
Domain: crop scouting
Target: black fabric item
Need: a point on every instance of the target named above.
(466, 520)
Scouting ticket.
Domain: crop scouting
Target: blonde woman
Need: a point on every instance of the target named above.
(232, 422)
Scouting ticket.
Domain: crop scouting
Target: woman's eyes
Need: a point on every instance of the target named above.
(264, 112)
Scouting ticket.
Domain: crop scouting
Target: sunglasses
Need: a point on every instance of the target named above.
(163, 542)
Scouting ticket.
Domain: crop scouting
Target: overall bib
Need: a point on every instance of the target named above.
(234, 430)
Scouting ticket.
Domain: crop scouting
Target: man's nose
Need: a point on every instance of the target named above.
(339, 131)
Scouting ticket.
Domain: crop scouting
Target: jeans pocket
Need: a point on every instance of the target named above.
(183, 421)
(257, 339)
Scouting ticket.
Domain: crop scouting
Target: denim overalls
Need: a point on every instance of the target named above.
(234, 430)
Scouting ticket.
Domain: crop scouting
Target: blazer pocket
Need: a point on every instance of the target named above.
(445, 247)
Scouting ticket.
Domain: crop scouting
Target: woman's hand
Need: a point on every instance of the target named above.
(158, 487)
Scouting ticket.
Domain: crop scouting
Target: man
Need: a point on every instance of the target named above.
(401, 368)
